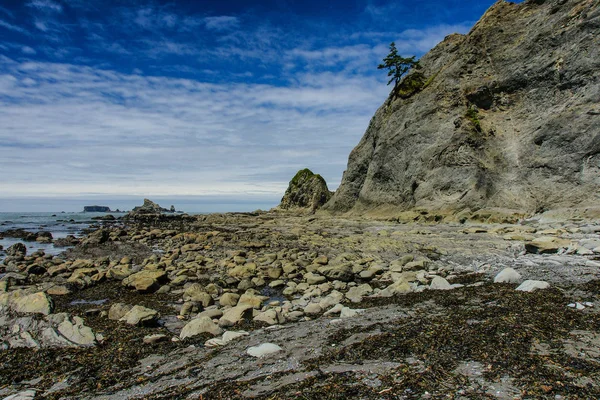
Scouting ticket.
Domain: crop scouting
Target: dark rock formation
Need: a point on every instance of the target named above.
(306, 190)
(19, 233)
(96, 209)
(17, 249)
(149, 207)
(508, 116)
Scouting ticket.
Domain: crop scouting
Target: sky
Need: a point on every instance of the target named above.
(208, 99)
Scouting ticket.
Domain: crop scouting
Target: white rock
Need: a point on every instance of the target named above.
(227, 337)
(25, 395)
(580, 306)
(439, 283)
(232, 335)
(263, 350)
(530, 286)
(507, 275)
(347, 312)
(214, 342)
(588, 304)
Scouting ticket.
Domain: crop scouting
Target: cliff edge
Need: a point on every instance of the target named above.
(507, 116)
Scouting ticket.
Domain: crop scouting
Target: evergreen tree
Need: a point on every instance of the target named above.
(397, 65)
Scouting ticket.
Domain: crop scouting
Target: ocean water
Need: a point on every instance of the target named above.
(59, 224)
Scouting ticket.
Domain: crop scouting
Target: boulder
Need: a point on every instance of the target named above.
(341, 272)
(356, 293)
(252, 299)
(439, 283)
(37, 303)
(75, 331)
(271, 317)
(196, 293)
(398, 287)
(118, 311)
(229, 299)
(17, 249)
(140, 315)
(146, 281)
(546, 245)
(234, 315)
(199, 326)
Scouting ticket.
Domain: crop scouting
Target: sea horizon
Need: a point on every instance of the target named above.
(188, 204)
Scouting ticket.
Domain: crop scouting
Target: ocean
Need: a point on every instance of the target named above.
(59, 224)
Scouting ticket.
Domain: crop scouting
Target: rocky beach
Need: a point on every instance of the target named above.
(459, 257)
(286, 304)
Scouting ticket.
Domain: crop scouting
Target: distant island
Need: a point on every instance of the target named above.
(96, 209)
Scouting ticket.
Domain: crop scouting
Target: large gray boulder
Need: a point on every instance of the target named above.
(504, 117)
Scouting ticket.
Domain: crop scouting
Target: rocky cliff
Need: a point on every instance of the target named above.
(507, 116)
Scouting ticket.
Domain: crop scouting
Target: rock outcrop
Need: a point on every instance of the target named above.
(507, 116)
(149, 207)
(306, 191)
(102, 209)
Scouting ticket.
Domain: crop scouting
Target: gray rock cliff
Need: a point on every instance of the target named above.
(507, 116)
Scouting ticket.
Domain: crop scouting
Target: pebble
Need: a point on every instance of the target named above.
(153, 339)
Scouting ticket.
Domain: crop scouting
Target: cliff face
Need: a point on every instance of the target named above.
(506, 116)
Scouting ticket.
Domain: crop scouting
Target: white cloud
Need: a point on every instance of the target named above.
(12, 27)
(28, 50)
(100, 131)
(46, 5)
(221, 23)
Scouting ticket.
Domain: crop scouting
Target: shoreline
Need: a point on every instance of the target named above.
(417, 340)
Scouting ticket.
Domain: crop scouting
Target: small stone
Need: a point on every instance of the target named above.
(322, 260)
(277, 283)
(314, 279)
(507, 275)
(531, 285)
(59, 291)
(263, 350)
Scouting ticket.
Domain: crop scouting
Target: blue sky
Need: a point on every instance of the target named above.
(196, 98)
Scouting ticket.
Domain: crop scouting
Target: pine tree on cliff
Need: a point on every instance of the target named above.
(397, 66)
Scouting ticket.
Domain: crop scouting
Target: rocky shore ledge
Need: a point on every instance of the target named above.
(280, 305)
